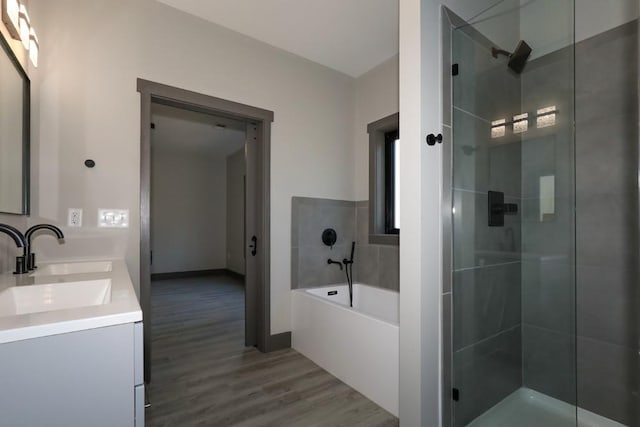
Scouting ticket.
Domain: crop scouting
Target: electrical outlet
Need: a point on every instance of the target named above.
(74, 218)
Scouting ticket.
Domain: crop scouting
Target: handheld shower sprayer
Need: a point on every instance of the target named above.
(348, 269)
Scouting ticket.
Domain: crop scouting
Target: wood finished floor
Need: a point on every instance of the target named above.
(202, 375)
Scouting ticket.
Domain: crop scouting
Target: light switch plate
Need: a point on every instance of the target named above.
(113, 218)
(74, 217)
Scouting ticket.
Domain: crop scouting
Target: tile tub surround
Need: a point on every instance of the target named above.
(375, 265)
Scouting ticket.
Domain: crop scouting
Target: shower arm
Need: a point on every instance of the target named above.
(495, 52)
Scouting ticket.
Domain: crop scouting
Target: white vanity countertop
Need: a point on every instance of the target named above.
(123, 307)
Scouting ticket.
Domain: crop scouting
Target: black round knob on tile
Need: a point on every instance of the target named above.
(89, 163)
(432, 139)
(329, 237)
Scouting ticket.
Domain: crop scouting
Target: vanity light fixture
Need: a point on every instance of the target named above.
(546, 117)
(34, 47)
(521, 123)
(498, 128)
(11, 17)
(25, 26)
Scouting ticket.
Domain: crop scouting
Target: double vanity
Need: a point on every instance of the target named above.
(71, 346)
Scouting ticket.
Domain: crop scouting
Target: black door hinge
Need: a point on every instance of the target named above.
(153, 125)
(454, 70)
(455, 394)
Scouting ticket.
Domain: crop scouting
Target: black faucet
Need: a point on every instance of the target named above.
(330, 261)
(21, 242)
(28, 254)
(348, 269)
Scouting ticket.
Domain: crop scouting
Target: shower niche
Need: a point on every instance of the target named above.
(540, 296)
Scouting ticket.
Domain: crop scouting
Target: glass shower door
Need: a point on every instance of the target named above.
(513, 223)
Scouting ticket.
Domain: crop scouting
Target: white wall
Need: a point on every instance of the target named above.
(188, 210)
(235, 212)
(92, 53)
(592, 17)
(421, 209)
(8, 250)
(376, 97)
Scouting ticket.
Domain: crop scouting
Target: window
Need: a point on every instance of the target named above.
(391, 182)
(384, 181)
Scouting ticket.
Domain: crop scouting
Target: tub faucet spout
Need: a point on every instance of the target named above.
(330, 261)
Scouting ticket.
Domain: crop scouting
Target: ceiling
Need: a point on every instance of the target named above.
(351, 36)
(179, 129)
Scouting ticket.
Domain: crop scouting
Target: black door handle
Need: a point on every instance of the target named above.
(254, 245)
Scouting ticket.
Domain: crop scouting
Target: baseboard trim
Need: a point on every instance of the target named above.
(234, 274)
(278, 342)
(196, 273)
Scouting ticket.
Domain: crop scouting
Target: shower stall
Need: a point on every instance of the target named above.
(541, 295)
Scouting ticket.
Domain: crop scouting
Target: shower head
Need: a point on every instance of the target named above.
(517, 59)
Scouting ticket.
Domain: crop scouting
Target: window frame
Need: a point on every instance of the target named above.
(379, 233)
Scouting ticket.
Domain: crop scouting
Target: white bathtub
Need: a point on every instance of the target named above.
(358, 345)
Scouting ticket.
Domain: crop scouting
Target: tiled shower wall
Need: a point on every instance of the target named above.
(374, 265)
(599, 368)
(608, 294)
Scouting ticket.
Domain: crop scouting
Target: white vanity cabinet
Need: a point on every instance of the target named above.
(91, 377)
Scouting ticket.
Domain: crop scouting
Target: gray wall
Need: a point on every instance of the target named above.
(235, 211)
(375, 265)
(601, 304)
(607, 235)
(188, 223)
(548, 285)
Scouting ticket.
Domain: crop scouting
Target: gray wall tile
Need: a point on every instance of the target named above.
(549, 362)
(608, 301)
(366, 269)
(375, 265)
(313, 269)
(606, 375)
(485, 373)
(362, 224)
(389, 269)
(484, 86)
(548, 294)
(486, 301)
(477, 244)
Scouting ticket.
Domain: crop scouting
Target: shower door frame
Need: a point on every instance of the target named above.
(449, 20)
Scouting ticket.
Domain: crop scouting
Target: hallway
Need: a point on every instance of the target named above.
(202, 375)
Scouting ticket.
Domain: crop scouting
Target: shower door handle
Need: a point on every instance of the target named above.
(254, 245)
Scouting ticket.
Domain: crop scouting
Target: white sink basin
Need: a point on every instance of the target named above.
(54, 296)
(73, 268)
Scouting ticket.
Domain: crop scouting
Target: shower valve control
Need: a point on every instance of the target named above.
(498, 209)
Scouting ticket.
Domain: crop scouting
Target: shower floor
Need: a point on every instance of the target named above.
(528, 408)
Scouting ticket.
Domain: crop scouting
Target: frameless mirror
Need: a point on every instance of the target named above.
(14, 133)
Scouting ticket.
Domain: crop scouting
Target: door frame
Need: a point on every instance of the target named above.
(258, 299)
